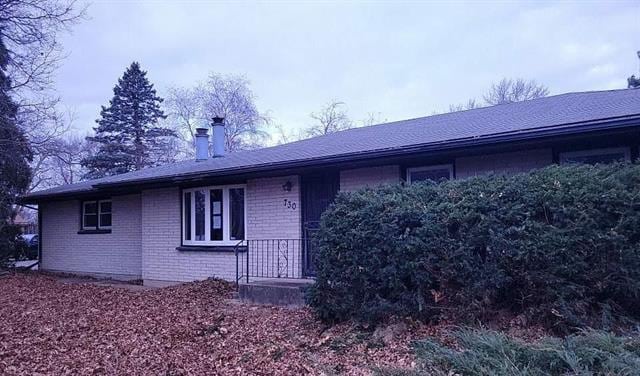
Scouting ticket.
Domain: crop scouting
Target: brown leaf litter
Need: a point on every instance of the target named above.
(50, 327)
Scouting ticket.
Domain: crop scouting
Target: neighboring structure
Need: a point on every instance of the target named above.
(23, 220)
(252, 213)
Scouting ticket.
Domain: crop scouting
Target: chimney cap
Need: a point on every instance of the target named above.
(218, 120)
(202, 131)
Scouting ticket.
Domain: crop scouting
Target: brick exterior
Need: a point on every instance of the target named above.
(116, 255)
(267, 215)
(161, 233)
(351, 180)
(507, 163)
(273, 213)
(147, 227)
(267, 218)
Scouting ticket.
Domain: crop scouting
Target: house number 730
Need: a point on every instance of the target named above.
(289, 204)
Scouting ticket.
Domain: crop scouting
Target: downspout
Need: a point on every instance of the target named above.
(39, 239)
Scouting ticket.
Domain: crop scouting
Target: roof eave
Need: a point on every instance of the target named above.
(507, 137)
(584, 127)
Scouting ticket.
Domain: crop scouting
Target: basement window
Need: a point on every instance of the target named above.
(434, 173)
(214, 216)
(594, 156)
(96, 215)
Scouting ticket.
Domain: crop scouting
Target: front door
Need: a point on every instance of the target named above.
(318, 192)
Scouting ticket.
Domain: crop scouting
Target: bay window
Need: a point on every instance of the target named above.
(213, 215)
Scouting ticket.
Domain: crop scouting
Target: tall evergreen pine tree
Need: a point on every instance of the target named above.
(15, 155)
(128, 132)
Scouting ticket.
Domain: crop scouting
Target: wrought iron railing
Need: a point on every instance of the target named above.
(270, 258)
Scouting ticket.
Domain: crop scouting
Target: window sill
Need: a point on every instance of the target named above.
(83, 232)
(211, 248)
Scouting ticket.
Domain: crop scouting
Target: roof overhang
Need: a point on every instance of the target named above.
(621, 124)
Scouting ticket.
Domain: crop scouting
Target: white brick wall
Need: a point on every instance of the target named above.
(507, 163)
(160, 237)
(115, 255)
(351, 180)
(267, 218)
(146, 227)
(274, 213)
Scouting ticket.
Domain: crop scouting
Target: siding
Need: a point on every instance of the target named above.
(506, 163)
(267, 218)
(351, 180)
(115, 255)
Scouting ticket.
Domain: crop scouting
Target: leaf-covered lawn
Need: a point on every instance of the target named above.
(51, 327)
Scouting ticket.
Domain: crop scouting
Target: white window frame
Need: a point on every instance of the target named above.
(448, 166)
(226, 216)
(98, 213)
(593, 152)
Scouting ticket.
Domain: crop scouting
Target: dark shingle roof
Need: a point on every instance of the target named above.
(522, 117)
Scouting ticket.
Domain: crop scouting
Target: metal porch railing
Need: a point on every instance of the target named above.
(270, 258)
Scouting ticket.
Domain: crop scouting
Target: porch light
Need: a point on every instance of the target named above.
(287, 186)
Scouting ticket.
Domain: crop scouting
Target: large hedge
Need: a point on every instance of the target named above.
(558, 246)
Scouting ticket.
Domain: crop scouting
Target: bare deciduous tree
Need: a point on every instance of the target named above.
(510, 90)
(470, 105)
(61, 163)
(506, 90)
(373, 118)
(183, 113)
(283, 136)
(31, 30)
(331, 118)
(50, 126)
(228, 96)
(71, 149)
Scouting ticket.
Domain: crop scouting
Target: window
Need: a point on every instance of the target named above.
(200, 213)
(216, 214)
(434, 173)
(187, 215)
(213, 215)
(96, 215)
(236, 195)
(594, 156)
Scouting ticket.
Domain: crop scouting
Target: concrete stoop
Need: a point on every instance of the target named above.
(279, 293)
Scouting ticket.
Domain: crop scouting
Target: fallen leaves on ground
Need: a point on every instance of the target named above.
(51, 327)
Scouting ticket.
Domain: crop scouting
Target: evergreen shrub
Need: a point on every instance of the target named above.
(559, 246)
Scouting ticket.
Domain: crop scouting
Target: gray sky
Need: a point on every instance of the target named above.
(399, 59)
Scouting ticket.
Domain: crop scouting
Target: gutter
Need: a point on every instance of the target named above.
(493, 139)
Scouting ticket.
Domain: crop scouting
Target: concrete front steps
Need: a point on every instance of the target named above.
(278, 292)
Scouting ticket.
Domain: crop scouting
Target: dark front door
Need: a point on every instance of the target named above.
(318, 192)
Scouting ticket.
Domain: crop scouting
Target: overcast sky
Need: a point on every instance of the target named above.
(399, 59)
